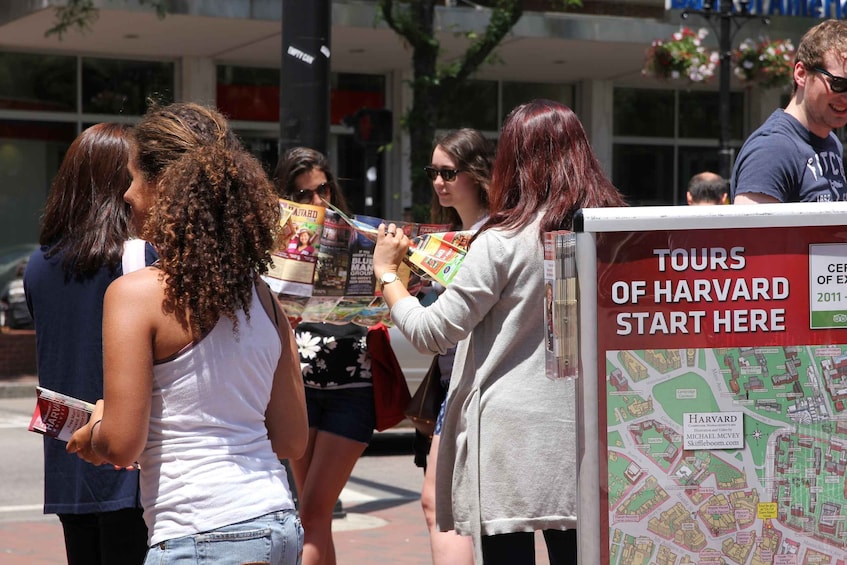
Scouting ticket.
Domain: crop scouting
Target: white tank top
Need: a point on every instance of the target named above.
(208, 461)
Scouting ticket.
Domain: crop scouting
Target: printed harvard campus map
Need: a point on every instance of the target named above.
(779, 499)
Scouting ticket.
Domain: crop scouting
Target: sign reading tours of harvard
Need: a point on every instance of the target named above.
(724, 354)
(802, 8)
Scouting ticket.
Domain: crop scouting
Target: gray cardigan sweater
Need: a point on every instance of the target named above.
(507, 461)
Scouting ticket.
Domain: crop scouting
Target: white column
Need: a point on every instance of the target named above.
(198, 80)
(594, 105)
(762, 103)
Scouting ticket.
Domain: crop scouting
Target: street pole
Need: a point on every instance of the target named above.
(723, 10)
(304, 75)
(304, 95)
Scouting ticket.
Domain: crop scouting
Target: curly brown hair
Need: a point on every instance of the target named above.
(214, 218)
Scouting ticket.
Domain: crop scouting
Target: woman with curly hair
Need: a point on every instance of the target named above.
(336, 371)
(201, 387)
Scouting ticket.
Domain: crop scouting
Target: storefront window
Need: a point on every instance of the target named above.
(699, 112)
(30, 154)
(112, 86)
(350, 92)
(643, 173)
(664, 137)
(39, 83)
(517, 93)
(474, 105)
(647, 113)
(248, 93)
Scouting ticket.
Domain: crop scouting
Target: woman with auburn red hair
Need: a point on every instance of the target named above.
(507, 458)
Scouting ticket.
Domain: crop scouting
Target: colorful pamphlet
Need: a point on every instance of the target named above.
(560, 305)
(58, 415)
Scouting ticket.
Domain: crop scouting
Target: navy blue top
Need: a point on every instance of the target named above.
(785, 160)
(69, 350)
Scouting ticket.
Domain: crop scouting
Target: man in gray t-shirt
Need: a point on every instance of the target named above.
(795, 156)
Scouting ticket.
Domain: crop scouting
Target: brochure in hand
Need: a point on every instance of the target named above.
(323, 271)
(58, 415)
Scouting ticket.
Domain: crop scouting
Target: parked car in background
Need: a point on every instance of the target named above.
(10, 257)
(414, 363)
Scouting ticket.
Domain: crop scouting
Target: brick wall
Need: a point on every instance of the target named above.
(17, 353)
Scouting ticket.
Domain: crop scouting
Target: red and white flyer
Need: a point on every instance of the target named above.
(58, 415)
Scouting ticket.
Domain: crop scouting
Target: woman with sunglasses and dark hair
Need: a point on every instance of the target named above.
(460, 172)
(336, 372)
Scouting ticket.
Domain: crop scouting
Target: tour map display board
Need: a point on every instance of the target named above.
(713, 385)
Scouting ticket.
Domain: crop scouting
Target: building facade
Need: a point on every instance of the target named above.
(651, 136)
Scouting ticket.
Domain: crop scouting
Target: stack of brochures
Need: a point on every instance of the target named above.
(560, 305)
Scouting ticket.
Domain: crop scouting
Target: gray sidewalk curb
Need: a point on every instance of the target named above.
(25, 389)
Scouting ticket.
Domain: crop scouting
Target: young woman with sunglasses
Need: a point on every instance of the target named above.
(336, 371)
(507, 456)
(460, 173)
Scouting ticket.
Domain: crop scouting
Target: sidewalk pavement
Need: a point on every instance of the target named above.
(389, 530)
(395, 535)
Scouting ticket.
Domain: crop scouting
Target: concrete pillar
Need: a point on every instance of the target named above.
(198, 81)
(594, 105)
(761, 104)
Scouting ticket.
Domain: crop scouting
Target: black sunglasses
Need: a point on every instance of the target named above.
(304, 196)
(836, 84)
(449, 175)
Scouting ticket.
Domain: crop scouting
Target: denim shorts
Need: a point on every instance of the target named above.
(345, 412)
(275, 538)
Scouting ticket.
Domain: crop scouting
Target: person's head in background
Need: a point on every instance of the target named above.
(303, 175)
(707, 188)
(85, 216)
(460, 172)
(208, 207)
(545, 161)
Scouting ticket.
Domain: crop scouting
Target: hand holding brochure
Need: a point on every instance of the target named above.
(436, 255)
(58, 415)
(323, 269)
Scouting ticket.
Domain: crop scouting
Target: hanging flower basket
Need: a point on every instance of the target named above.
(769, 64)
(683, 56)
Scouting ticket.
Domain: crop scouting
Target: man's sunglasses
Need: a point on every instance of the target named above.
(836, 84)
(449, 175)
(305, 195)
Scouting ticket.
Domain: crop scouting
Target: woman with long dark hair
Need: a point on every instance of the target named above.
(336, 372)
(507, 458)
(83, 231)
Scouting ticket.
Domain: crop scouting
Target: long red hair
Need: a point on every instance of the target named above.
(545, 162)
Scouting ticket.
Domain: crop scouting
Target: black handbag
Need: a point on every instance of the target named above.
(426, 402)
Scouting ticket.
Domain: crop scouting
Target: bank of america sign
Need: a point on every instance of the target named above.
(823, 9)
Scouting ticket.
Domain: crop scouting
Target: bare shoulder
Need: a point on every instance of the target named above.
(144, 285)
